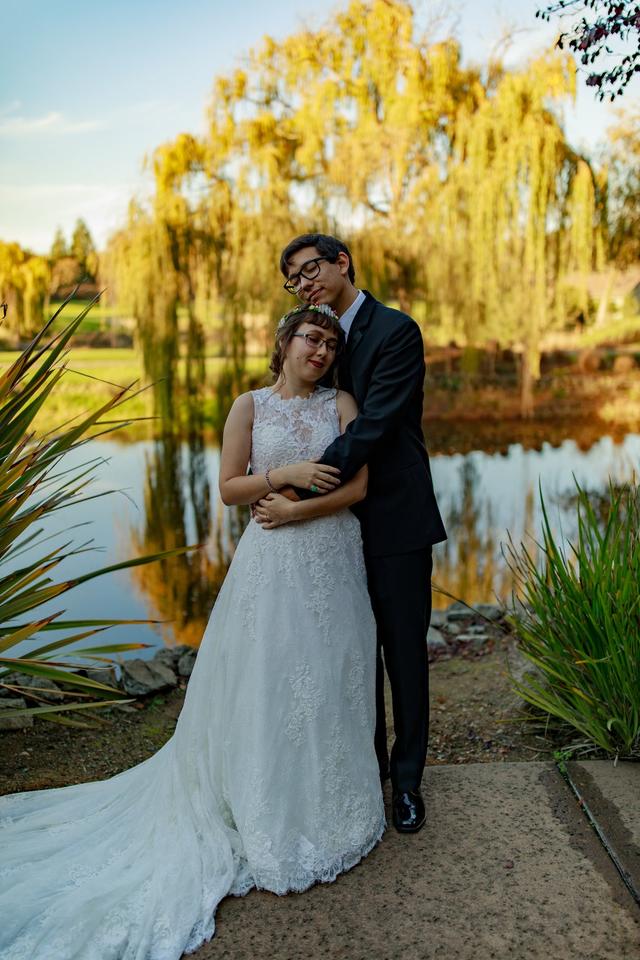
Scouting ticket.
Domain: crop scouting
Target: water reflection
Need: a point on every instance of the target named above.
(488, 497)
(178, 510)
(471, 564)
(485, 498)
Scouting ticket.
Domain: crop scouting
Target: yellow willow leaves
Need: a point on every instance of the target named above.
(25, 281)
(172, 161)
(513, 187)
(455, 185)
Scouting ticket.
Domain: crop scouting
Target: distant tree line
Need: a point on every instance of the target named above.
(29, 281)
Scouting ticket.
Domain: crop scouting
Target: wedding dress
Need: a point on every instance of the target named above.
(270, 779)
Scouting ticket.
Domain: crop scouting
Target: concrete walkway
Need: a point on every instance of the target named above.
(610, 796)
(508, 866)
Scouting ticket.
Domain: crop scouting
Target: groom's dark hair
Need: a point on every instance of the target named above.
(326, 246)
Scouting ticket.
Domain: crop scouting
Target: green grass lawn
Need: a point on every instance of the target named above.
(95, 373)
(96, 319)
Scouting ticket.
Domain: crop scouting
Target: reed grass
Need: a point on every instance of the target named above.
(579, 624)
(34, 485)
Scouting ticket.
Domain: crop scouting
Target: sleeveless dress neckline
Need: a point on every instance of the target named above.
(317, 392)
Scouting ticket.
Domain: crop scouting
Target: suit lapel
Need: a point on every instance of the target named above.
(360, 323)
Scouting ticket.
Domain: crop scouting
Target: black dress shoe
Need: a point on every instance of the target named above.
(407, 808)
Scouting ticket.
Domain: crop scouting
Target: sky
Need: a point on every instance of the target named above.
(88, 88)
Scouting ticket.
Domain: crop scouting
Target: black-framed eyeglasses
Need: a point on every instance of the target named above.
(309, 270)
(314, 340)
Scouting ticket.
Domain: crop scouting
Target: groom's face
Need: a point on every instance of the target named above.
(325, 282)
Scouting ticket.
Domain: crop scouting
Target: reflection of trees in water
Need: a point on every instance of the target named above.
(177, 501)
(470, 564)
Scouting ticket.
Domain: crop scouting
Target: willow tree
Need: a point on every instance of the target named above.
(149, 265)
(455, 185)
(25, 279)
(343, 128)
(624, 208)
(517, 212)
(135, 266)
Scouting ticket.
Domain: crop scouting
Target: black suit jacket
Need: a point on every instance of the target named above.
(383, 368)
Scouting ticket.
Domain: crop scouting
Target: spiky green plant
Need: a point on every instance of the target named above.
(33, 486)
(580, 624)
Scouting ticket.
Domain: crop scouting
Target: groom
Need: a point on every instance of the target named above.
(383, 368)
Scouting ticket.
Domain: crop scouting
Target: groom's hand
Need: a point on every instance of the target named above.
(287, 492)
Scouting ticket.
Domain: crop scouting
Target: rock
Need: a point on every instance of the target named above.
(46, 689)
(182, 648)
(474, 640)
(589, 361)
(623, 363)
(522, 669)
(490, 611)
(171, 655)
(435, 641)
(458, 611)
(477, 630)
(14, 723)
(186, 662)
(140, 677)
(167, 656)
(438, 618)
(454, 628)
(106, 675)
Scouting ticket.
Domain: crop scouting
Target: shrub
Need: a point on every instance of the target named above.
(579, 624)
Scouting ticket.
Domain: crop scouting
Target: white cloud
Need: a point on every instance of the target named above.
(31, 212)
(52, 122)
(10, 107)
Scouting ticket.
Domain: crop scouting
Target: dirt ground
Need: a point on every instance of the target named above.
(473, 719)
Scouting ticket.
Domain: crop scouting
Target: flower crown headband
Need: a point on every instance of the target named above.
(323, 308)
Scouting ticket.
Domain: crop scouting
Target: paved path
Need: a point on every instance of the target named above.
(507, 866)
(610, 796)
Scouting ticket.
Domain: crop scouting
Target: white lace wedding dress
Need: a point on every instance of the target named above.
(270, 779)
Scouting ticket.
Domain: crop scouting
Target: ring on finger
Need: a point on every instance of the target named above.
(314, 488)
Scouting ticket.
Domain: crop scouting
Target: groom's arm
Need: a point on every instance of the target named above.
(398, 373)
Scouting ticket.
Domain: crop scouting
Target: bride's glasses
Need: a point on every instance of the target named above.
(309, 270)
(314, 340)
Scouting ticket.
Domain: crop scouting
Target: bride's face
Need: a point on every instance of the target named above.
(310, 352)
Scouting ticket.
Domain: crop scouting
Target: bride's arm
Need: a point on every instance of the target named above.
(236, 486)
(275, 509)
(234, 483)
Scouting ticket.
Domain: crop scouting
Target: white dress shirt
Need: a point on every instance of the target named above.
(348, 316)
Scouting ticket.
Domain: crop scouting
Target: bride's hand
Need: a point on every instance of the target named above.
(273, 511)
(308, 474)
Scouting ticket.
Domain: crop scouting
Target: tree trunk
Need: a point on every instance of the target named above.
(603, 306)
(405, 300)
(529, 374)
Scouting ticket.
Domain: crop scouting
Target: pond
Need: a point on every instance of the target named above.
(167, 496)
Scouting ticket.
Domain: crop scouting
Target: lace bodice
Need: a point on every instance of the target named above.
(286, 431)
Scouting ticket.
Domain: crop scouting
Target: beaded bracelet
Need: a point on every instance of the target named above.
(269, 484)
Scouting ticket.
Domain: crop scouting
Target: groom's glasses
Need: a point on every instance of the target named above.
(309, 270)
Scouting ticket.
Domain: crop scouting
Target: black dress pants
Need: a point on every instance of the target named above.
(400, 590)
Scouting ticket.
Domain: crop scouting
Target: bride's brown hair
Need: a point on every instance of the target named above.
(289, 325)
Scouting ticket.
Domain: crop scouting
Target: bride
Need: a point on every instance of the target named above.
(270, 779)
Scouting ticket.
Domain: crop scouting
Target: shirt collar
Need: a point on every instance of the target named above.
(348, 316)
